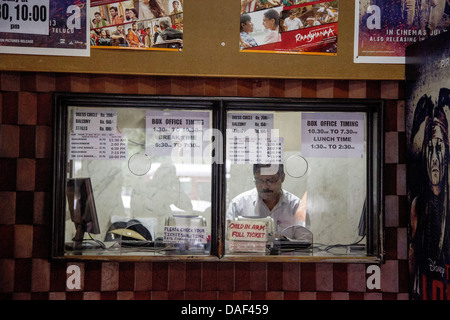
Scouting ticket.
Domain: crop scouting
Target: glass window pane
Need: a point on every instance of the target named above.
(137, 182)
(315, 201)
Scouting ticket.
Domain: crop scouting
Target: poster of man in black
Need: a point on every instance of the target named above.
(427, 131)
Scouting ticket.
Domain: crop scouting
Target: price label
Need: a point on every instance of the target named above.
(24, 16)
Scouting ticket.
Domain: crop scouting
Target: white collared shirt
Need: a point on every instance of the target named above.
(249, 203)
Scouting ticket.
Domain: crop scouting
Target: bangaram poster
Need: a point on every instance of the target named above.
(384, 28)
(44, 27)
(289, 26)
(427, 113)
(136, 24)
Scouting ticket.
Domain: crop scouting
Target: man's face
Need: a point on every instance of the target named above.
(247, 27)
(268, 186)
(435, 151)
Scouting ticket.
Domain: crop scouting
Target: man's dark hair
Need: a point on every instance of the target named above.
(244, 19)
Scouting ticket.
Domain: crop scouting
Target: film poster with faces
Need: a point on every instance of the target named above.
(289, 26)
(44, 27)
(427, 134)
(384, 28)
(137, 24)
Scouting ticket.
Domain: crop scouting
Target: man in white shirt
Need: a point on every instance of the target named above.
(269, 199)
(292, 23)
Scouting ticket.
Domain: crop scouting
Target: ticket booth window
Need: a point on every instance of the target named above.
(223, 179)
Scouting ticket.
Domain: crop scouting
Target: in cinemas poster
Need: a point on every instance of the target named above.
(56, 27)
(384, 28)
(427, 133)
(289, 26)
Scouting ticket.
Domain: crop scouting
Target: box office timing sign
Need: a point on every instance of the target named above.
(333, 135)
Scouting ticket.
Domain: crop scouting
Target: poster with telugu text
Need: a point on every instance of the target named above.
(136, 24)
(44, 27)
(384, 28)
(289, 26)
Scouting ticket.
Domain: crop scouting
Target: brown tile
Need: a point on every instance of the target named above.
(28, 81)
(176, 276)
(209, 276)
(309, 88)
(242, 276)
(44, 170)
(9, 81)
(196, 86)
(293, 88)
(160, 276)
(325, 89)
(324, 277)
(146, 85)
(228, 87)
(42, 207)
(308, 277)
(26, 169)
(9, 141)
(340, 277)
(7, 278)
(143, 276)
(225, 276)
(261, 88)
(22, 275)
(7, 207)
(45, 82)
(193, 276)
(276, 88)
(126, 276)
(44, 109)
(110, 276)
(180, 86)
(291, 276)
(244, 87)
(258, 276)
(41, 239)
(163, 86)
(274, 276)
(27, 147)
(10, 107)
(27, 113)
(341, 89)
(92, 276)
(24, 207)
(40, 275)
(23, 241)
(43, 142)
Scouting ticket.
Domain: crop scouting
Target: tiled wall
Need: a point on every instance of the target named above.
(25, 201)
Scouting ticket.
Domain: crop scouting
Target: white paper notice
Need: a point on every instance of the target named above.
(94, 121)
(333, 135)
(96, 146)
(176, 133)
(252, 139)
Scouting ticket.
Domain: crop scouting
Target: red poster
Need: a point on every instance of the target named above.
(294, 26)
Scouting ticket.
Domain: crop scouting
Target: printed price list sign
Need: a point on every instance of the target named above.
(96, 146)
(90, 121)
(333, 135)
(252, 139)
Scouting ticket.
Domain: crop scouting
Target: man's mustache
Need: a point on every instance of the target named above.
(266, 191)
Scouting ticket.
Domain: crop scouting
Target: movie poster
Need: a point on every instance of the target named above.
(384, 28)
(44, 27)
(137, 24)
(289, 26)
(427, 133)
